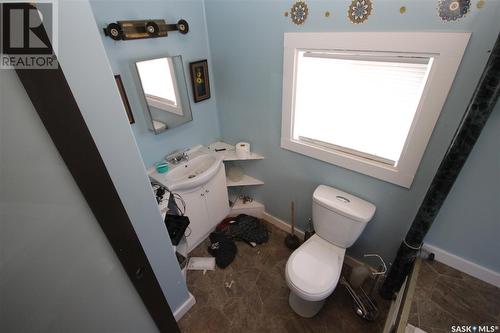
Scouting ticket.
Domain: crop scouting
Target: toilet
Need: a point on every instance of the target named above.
(313, 270)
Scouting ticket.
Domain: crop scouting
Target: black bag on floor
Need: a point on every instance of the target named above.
(249, 229)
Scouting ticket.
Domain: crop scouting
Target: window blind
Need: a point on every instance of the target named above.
(362, 102)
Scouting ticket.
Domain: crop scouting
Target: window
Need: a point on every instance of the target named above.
(367, 101)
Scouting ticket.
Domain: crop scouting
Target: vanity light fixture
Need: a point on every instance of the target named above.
(138, 29)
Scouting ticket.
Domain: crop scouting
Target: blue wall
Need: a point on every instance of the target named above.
(91, 80)
(244, 44)
(468, 223)
(204, 128)
(246, 41)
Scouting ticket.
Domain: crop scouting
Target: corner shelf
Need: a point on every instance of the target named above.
(231, 156)
(230, 153)
(252, 204)
(245, 181)
(253, 208)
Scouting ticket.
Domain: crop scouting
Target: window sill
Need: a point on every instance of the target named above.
(361, 165)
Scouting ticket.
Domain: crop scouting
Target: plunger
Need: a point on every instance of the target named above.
(292, 241)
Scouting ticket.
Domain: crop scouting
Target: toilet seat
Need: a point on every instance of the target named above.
(313, 270)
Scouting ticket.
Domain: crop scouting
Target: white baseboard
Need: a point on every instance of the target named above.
(280, 224)
(285, 226)
(181, 310)
(464, 265)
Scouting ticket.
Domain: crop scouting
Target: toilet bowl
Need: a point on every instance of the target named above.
(313, 270)
(312, 273)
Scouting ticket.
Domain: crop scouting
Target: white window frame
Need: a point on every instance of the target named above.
(446, 50)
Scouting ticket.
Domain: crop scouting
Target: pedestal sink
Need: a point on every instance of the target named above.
(195, 172)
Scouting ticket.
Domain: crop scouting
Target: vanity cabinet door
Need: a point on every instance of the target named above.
(216, 197)
(196, 210)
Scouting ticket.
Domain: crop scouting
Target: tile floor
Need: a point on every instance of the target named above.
(445, 297)
(251, 295)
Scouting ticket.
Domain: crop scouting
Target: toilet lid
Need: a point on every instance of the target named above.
(314, 267)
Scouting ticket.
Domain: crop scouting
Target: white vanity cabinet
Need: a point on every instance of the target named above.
(206, 206)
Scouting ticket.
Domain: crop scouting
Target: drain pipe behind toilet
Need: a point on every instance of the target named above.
(480, 107)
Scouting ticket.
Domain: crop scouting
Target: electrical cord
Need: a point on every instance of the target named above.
(177, 196)
(160, 190)
(181, 199)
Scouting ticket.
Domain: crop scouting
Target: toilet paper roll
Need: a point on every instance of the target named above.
(242, 149)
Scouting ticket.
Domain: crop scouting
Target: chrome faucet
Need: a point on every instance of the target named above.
(177, 156)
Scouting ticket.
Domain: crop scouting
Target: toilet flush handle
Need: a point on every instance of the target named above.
(343, 199)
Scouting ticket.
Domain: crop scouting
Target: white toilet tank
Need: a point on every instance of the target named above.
(339, 217)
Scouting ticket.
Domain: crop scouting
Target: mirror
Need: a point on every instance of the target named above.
(164, 88)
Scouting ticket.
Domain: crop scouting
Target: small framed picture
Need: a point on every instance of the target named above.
(199, 79)
(123, 94)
